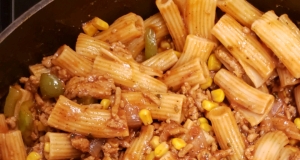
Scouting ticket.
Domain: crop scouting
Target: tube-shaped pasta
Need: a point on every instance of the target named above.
(286, 20)
(191, 72)
(128, 75)
(200, 17)
(89, 47)
(239, 92)
(38, 69)
(3, 125)
(280, 39)
(244, 47)
(286, 152)
(229, 61)
(162, 106)
(175, 24)
(227, 131)
(69, 60)
(125, 29)
(12, 146)
(163, 60)
(139, 145)
(285, 77)
(156, 23)
(241, 10)
(72, 117)
(60, 147)
(195, 47)
(269, 145)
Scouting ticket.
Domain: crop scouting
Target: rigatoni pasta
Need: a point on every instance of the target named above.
(209, 89)
(171, 15)
(280, 39)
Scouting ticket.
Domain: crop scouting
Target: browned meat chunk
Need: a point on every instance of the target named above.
(98, 87)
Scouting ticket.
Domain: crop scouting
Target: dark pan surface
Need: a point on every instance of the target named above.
(51, 23)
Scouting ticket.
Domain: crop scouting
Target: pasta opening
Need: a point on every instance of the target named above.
(163, 1)
(218, 112)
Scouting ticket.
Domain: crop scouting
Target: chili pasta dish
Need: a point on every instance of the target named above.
(182, 84)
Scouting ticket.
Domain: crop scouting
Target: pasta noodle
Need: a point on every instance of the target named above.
(269, 145)
(89, 122)
(207, 86)
(60, 147)
(200, 17)
(280, 39)
(171, 15)
(244, 47)
(227, 132)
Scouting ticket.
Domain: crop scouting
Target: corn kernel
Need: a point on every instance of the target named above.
(213, 63)
(145, 116)
(208, 105)
(154, 142)
(33, 156)
(150, 156)
(100, 24)
(218, 95)
(178, 143)
(165, 45)
(206, 127)
(297, 122)
(161, 149)
(47, 147)
(105, 103)
(207, 84)
(202, 120)
(178, 54)
(89, 29)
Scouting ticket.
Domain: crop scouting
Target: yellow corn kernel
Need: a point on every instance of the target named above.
(154, 141)
(100, 24)
(150, 156)
(178, 143)
(47, 147)
(165, 45)
(297, 122)
(202, 120)
(145, 116)
(33, 156)
(178, 54)
(209, 105)
(207, 84)
(89, 29)
(218, 95)
(213, 63)
(105, 103)
(161, 149)
(205, 126)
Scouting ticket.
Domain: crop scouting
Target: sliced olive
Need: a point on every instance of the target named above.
(50, 85)
(12, 98)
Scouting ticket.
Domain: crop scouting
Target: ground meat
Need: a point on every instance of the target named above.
(89, 158)
(98, 87)
(61, 73)
(31, 84)
(116, 122)
(295, 156)
(47, 61)
(81, 143)
(229, 61)
(11, 122)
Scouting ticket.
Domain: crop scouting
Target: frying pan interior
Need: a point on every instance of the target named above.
(51, 23)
